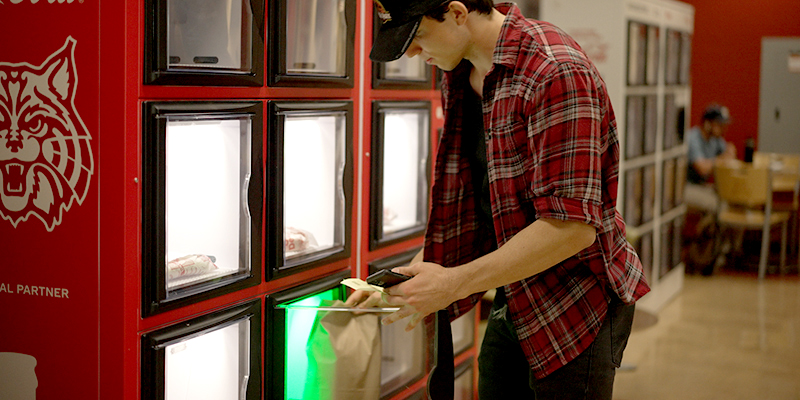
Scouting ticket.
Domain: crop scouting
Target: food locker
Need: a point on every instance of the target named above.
(202, 198)
(635, 130)
(311, 184)
(290, 316)
(316, 346)
(403, 73)
(637, 53)
(404, 354)
(400, 171)
(312, 42)
(673, 66)
(188, 41)
(216, 357)
(634, 196)
(463, 331)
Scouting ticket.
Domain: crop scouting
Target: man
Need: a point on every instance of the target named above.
(706, 146)
(523, 200)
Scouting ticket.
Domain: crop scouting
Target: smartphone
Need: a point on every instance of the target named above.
(386, 278)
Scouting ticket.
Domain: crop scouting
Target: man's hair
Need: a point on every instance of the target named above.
(481, 6)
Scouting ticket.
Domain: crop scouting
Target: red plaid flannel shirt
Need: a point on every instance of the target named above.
(552, 152)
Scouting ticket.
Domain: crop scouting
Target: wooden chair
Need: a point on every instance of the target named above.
(746, 195)
(785, 187)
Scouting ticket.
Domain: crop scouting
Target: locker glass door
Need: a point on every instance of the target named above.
(313, 196)
(215, 356)
(202, 201)
(208, 224)
(399, 198)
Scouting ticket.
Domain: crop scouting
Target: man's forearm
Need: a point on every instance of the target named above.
(534, 249)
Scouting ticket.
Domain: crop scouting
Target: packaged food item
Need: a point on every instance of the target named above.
(388, 216)
(296, 241)
(191, 265)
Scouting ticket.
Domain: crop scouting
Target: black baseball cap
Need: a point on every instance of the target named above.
(717, 113)
(400, 20)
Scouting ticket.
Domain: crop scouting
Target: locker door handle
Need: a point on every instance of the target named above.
(777, 113)
(243, 392)
(246, 195)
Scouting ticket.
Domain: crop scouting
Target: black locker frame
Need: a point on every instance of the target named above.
(153, 347)
(274, 193)
(155, 58)
(276, 68)
(376, 239)
(275, 328)
(153, 177)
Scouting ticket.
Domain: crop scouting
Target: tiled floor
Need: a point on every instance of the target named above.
(724, 337)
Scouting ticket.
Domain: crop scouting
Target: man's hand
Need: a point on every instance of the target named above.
(432, 288)
(365, 299)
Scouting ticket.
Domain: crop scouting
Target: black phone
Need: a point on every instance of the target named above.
(386, 278)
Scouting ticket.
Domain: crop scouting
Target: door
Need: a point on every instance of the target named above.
(779, 105)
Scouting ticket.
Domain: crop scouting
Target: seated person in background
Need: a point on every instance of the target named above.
(707, 145)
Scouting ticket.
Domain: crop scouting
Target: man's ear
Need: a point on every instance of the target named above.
(459, 11)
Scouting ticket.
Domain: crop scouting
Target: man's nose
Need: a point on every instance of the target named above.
(413, 49)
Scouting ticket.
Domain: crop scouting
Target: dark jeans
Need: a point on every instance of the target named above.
(505, 373)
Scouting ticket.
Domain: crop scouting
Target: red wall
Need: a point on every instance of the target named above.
(726, 56)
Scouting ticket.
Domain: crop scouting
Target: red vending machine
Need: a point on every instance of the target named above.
(50, 136)
(185, 183)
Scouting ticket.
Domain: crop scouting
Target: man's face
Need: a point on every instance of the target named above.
(716, 128)
(439, 43)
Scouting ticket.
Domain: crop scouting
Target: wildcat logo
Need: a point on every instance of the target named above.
(45, 156)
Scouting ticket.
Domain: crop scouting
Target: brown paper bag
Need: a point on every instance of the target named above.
(344, 356)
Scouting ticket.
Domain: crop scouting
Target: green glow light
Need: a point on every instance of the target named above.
(298, 330)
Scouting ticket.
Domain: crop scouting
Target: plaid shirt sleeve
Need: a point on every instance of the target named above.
(564, 130)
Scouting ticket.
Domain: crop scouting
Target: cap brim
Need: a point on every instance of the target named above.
(391, 42)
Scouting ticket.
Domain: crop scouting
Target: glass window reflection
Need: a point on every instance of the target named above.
(213, 365)
(314, 162)
(209, 34)
(207, 218)
(316, 37)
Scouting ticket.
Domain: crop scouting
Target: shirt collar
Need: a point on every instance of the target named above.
(506, 50)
